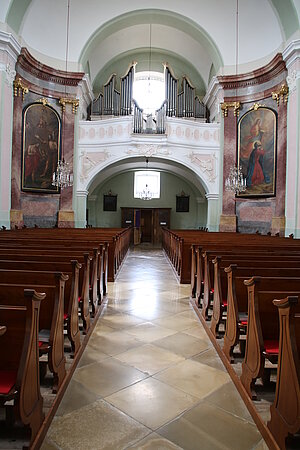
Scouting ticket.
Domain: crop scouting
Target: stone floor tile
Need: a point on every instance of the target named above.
(151, 402)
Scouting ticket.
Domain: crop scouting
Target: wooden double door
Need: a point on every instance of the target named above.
(147, 223)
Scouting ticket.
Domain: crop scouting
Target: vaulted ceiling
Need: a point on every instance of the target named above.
(197, 37)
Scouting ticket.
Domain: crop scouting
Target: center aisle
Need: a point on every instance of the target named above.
(149, 377)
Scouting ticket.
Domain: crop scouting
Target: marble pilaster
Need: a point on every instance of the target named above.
(9, 50)
(229, 160)
(292, 203)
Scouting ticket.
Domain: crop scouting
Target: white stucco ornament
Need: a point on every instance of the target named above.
(89, 160)
(207, 164)
(292, 80)
(147, 150)
(10, 73)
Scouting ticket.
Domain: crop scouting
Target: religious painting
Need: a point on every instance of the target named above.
(182, 203)
(41, 148)
(109, 202)
(257, 145)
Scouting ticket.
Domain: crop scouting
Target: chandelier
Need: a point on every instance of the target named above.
(63, 176)
(235, 182)
(146, 194)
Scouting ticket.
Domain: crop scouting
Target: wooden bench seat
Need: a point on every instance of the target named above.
(249, 268)
(19, 361)
(285, 417)
(237, 299)
(51, 318)
(63, 261)
(262, 340)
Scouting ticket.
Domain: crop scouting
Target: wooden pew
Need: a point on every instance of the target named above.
(117, 241)
(220, 279)
(263, 325)
(61, 262)
(237, 299)
(178, 246)
(19, 360)
(220, 296)
(51, 318)
(285, 417)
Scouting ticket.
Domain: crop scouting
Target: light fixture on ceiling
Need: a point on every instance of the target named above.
(63, 176)
(146, 194)
(235, 182)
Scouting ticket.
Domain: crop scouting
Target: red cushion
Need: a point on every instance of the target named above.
(65, 316)
(271, 347)
(7, 380)
(243, 322)
(224, 302)
(40, 343)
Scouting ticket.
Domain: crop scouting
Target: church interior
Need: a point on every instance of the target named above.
(149, 175)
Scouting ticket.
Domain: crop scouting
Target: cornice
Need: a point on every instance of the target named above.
(291, 53)
(213, 89)
(39, 70)
(86, 88)
(256, 77)
(9, 44)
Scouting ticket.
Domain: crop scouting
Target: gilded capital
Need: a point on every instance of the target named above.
(226, 105)
(282, 94)
(63, 101)
(19, 88)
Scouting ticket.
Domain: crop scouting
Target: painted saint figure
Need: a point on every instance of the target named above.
(256, 173)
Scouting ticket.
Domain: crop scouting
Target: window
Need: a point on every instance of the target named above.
(149, 91)
(149, 178)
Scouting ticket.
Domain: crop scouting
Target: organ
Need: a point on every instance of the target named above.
(114, 102)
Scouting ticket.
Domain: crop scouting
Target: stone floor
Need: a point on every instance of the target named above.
(149, 377)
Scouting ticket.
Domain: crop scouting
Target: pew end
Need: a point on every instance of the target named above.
(285, 418)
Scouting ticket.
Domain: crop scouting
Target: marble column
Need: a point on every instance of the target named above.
(292, 197)
(228, 220)
(9, 50)
(212, 212)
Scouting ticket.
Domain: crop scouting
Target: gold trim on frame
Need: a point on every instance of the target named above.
(256, 106)
(44, 101)
(226, 105)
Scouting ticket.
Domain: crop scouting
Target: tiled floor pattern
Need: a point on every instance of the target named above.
(149, 377)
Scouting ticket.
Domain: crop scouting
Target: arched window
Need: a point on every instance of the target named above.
(149, 178)
(149, 91)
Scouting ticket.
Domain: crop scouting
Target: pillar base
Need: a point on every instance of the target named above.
(278, 225)
(16, 218)
(228, 223)
(65, 219)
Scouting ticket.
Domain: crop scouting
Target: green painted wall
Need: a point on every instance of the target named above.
(170, 186)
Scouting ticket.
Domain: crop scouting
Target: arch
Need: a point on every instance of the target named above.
(126, 164)
(287, 16)
(180, 66)
(287, 13)
(16, 13)
(168, 18)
